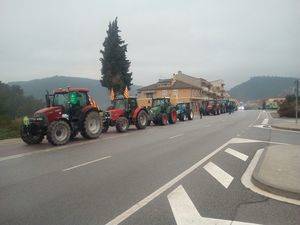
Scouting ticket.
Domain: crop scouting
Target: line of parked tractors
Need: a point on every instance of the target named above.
(71, 111)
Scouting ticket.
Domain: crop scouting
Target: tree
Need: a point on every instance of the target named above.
(115, 65)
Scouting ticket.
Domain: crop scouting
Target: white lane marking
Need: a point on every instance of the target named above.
(258, 116)
(243, 140)
(220, 175)
(59, 148)
(47, 150)
(265, 121)
(86, 163)
(186, 213)
(246, 181)
(114, 137)
(178, 135)
(123, 216)
(183, 208)
(237, 154)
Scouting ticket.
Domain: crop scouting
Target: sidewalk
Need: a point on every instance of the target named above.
(278, 171)
(287, 126)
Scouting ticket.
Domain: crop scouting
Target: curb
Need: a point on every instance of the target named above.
(285, 128)
(266, 187)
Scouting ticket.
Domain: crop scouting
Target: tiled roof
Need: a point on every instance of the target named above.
(176, 85)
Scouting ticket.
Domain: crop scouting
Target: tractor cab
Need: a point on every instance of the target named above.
(127, 104)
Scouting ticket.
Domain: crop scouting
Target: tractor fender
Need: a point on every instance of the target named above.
(137, 111)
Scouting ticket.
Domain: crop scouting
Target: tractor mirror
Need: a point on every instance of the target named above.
(47, 97)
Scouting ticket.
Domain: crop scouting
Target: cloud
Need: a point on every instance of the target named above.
(213, 39)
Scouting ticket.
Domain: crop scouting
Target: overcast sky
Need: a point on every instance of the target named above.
(214, 39)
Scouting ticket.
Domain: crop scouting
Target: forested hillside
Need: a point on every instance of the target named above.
(37, 87)
(263, 87)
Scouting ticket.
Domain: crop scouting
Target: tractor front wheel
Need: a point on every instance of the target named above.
(173, 117)
(59, 132)
(141, 120)
(29, 138)
(92, 125)
(181, 117)
(164, 119)
(122, 124)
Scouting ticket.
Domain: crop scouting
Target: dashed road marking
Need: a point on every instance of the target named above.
(220, 175)
(178, 135)
(265, 121)
(86, 163)
(237, 154)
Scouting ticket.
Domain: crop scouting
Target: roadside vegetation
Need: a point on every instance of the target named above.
(288, 107)
(13, 106)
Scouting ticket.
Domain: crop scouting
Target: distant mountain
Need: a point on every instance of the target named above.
(261, 87)
(37, 87)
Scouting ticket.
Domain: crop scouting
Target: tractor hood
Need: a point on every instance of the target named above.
(155, 110)
(49, 110)
(116, 113)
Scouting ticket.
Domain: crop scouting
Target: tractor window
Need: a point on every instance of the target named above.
(82, 97)
(181, 106)
(119, 104)
(158, 102)
(61, 99)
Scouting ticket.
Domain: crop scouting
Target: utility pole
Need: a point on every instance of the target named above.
(297, 94)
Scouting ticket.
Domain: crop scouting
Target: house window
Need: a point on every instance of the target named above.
(164, 93)
(175, 93)
(149, 95)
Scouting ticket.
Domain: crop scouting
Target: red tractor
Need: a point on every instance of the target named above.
(123, 113)
(68, 112)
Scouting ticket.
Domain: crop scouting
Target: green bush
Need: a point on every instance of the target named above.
(288, 107)
(9, 128)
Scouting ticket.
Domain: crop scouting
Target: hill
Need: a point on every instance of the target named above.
(261, 87)
(37, 87)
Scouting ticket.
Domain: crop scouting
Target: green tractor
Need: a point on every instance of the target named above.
(162, 112)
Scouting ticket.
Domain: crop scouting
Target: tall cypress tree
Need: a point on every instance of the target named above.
(115, 65)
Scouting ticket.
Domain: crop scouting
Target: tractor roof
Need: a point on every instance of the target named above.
(70, 89)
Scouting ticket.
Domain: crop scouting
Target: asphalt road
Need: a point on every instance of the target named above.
(177, 174)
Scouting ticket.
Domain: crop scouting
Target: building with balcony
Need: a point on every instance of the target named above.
(181, 88)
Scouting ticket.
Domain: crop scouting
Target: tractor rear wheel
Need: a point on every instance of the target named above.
(73, 135)
(173, 116)
(164, 119)
(59, 132)
(191, 115)
(141, 120)
(181, 117)
(105, 128)
(122, 124)
(92, 125)
(29, 138)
